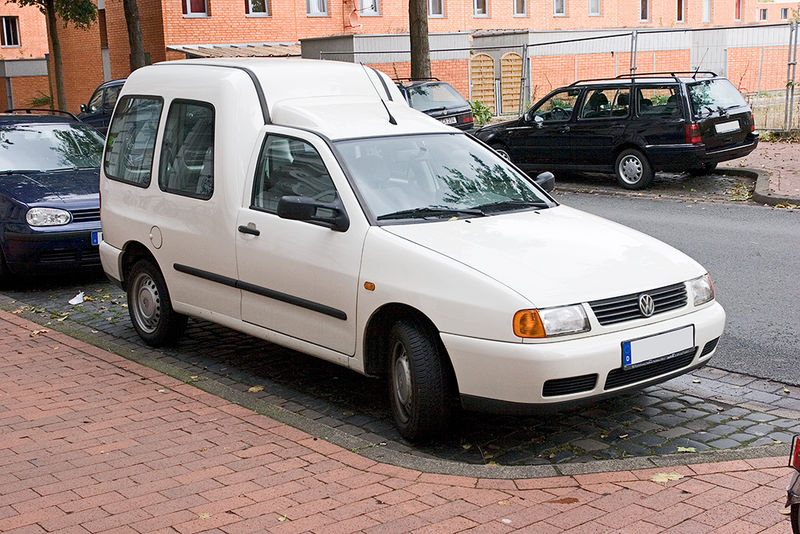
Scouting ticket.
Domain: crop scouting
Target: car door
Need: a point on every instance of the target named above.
(299, 278)
(600, 127)
(540, 139)
(659, 117)
(93, 114)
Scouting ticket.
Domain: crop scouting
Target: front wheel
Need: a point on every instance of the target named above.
(633, 171)
(502, 151)
(150, 307)
(795, 517)
(419, 386)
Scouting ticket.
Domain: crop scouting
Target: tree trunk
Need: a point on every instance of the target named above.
(134, 34)
(418, 35)
(52, 23)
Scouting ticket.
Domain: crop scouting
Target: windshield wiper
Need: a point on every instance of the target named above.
(430, 211)
(511, 204)
(431, 110)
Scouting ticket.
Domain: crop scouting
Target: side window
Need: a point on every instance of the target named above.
(289, 166)
(606, 104)
(96, 102)
(558, 107)
(132, 140)
(187, 152)
(112, 93)
(659, 101)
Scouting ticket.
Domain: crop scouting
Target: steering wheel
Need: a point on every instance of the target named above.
(559, 113)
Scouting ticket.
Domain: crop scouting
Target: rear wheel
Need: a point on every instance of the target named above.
(632, 169)
(419, 385)
(706, 168)
(150, 307)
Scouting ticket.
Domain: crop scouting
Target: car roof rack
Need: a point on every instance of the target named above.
(31, 111)
(417, 79)
(672, 74)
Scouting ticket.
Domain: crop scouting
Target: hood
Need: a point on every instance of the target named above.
(52, 188)
(556, 256)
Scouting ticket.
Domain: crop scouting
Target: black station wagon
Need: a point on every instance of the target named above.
(631, 126)
(440, 100)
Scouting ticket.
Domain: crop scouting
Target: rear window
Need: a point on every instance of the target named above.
(435, 97)
(711, 96)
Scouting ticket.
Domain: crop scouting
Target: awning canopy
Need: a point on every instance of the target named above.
(238, 50)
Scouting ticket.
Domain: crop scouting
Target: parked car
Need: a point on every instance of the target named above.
(793, 491)
(631, 126)
(49, 193)
(440, 100)
(302, 202)
(98, 111)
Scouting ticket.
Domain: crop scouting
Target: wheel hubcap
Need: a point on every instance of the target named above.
(401, 380)
(630, 169)
(147, 303)
(502, 153)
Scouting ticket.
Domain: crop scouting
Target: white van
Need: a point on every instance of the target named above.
(303, 202)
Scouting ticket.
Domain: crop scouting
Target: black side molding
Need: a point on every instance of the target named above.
(263, 291)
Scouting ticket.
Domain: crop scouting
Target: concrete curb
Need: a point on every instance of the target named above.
(379, 453)
(762, 191)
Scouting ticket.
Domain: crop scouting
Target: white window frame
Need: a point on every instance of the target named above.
(762, 14)
(706, 10)
(6, 34)
(784, 13)
(524, 12)
(433, 13)
(252, 13)
(594, 8)
(370, 8)
(190, 13)
(317, 8)
(680, 8)
(644, 11)
(559, 8)
(476, 8)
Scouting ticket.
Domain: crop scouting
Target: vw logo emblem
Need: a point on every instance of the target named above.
(646, 305)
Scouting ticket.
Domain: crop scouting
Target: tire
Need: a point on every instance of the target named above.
(795, 518)
(632, 169)
(502, 150)
(419, 386)
(150, 307)
(706, 168)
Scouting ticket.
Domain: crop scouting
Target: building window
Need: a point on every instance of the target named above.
(316, 8)
(370, 8)
(195, 7)
(762, 14)
(480, 8)
(644, 10)
(679, 15)
(560, 8)
(737, 9)
(594, 8)
(10, 35)
(256, 7)
(784, 13)
(520, 8)
(436, 8)
(706, 10)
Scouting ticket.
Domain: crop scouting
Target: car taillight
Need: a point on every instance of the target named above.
(752, 122)
(468, 118)
(692, 133)
(794, 456)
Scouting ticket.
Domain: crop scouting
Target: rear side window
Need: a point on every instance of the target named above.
(187, 152)
(711, 96)
(132, 140)
(660, 101)
(606, 104)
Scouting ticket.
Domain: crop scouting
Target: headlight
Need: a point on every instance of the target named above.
(551, 322)
(47, 217)
(702, 289)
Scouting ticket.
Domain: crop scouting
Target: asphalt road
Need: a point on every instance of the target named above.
(753, 255)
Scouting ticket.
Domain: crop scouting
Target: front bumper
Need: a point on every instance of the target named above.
(512, 377)
(685, 156)
(50, 250)
(793, 491)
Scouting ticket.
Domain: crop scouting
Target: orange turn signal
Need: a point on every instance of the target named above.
(527, 323)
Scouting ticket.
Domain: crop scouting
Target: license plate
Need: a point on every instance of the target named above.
(659, 347)
(727, 127)
(97, 236)
(448, 120)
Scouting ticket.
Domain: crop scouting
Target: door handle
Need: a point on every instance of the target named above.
(565, 129)
(252, 230)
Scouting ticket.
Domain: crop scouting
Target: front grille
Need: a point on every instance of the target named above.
(626, 308)
(90, 255)
(623, 377)
(565, 386)
(87, 215)
(710, 346)
(57, 256)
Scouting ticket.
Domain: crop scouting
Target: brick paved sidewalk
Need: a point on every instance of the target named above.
(91, 442)
(782, 160)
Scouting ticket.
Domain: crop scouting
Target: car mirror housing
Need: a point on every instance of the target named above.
(83, 108)
(330, 214)
(546, 181)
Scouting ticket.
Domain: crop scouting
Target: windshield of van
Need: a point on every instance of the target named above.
(712, 96)
(436, 177)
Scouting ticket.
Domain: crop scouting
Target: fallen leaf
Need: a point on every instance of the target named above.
(504, 503)
(35, 333)
(256, 389)
(203, 516)
(785, 511)
(736, 387)
(638, 409)
(15, 312)
(623, 436)
(665, 477)
(62, 318)
(193, 377)
(735, 418)
(786, 390)
(564, 500)
(85, 298)
(466, 446)
(696, 381)
(505, 521)
(603, 436)
(282, 518)
(687, 449)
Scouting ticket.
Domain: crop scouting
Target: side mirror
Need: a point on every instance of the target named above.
(83, 108)
(546, 181)
(330, 214)
(538, 120)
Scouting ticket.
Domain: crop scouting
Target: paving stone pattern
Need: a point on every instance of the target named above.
(707, 410)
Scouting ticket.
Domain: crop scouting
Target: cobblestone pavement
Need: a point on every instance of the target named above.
(707, 410)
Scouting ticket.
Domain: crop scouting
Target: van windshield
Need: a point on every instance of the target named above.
(435, 177)
(711, 96)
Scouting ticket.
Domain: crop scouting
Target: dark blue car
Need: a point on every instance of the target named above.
(49, 193)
